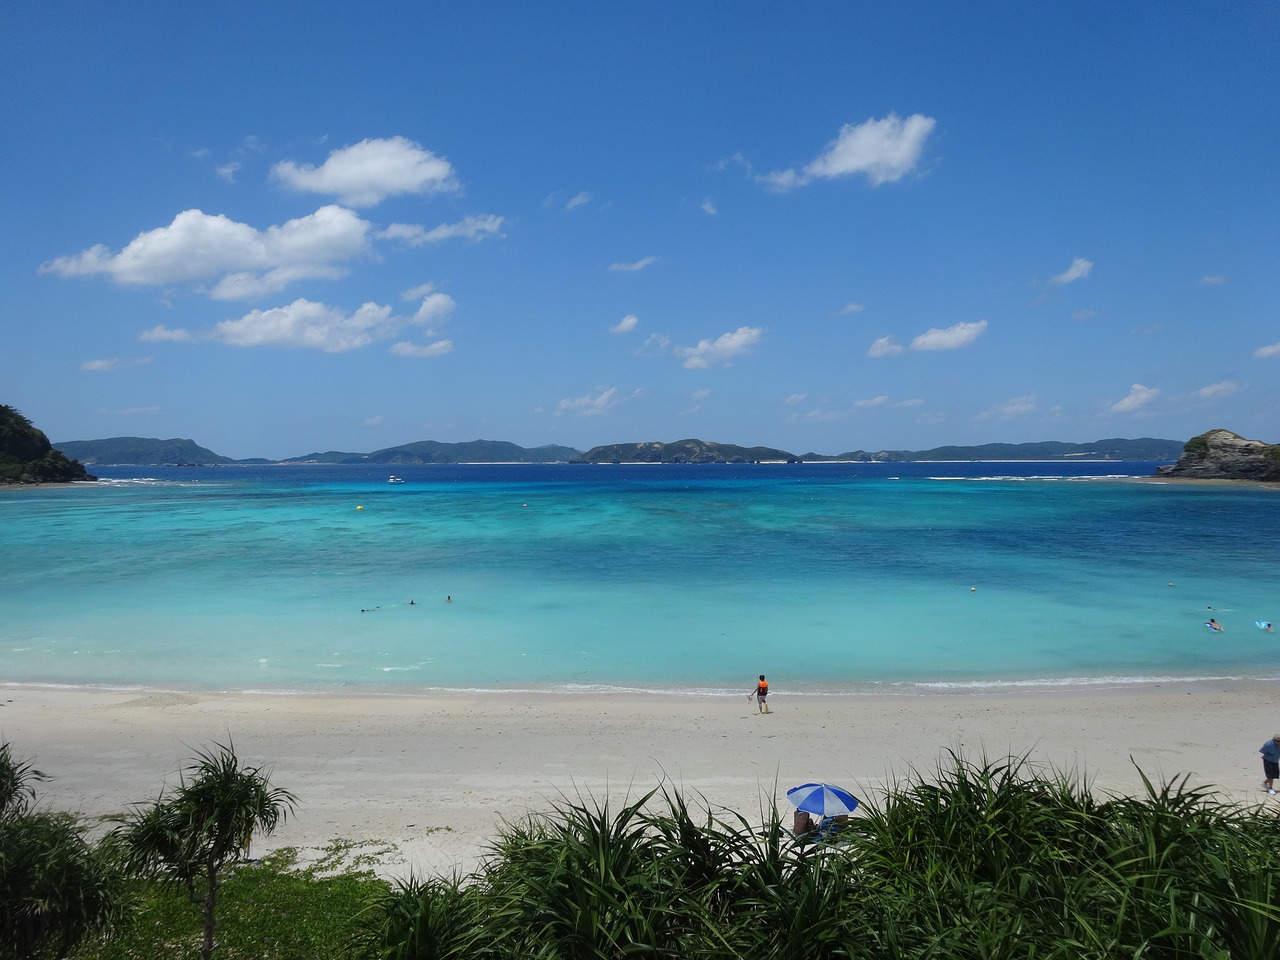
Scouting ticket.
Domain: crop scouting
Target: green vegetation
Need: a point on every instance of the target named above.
(141, 450)
(682, 451)
(984, 860)
(55, 888)
(26, 456)
(190, 838)
(273, 909)
(993, 860)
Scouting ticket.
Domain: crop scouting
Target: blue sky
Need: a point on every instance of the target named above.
(276, 228)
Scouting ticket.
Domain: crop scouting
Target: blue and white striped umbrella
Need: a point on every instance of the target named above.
(823, 800)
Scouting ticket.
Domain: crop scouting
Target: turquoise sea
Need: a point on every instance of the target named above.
(826, 577)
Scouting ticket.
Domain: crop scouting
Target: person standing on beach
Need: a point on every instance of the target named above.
(1270, 763)
(761, 693)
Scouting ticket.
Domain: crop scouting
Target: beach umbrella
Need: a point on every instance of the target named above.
(823, 800)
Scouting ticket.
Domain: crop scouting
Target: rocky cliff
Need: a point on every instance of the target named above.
(1223, 455)
(26, 456)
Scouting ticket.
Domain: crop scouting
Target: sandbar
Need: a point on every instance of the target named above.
(431, 777)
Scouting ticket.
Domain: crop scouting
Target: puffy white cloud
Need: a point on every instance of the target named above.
(589, 406)
(228, 171)
(884, 347)
(626, 324)
(936, 338)
(883, 151)
(474, 229)
(1078, 270)
(949, 338)
(434, 309)
(578, 200)
(437, 349)
(198, 247)
(795, 398)
(1216, 390)
(366, 173)
(306, 324)
(708, 207)
(633, 267)
(722, 349)
(1139, 396)
(1270, 350)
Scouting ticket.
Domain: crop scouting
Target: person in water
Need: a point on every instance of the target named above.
(1213, 624)
(761, 693)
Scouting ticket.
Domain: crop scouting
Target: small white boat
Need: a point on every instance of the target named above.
(394, 479)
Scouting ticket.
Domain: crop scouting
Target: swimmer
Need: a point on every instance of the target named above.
(1213, 624)
(448, 599)
(1265, 625)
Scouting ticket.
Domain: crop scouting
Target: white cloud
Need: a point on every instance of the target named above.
(795, 398)
(374, 421)
(708, 207)
(884, 347)
(626, 324)
(139, 411)
(163, 334)
(589, 406)
(474, 229)
(882, 150)
(936, 338)
(633, 267)
(306, 324)
(1078, 270)
(700, 394)
(1271, 350)
(113, 363)
(850, 308)
(1212, 280)
(654, 345)
(1139, 396)
(949, 338)
(1084, 314)
(722, 349)
(435, 308)
(1015, 407)
(228, 171)
(578, 200)
(198, 247)
(366, 173)
(1216, 390)
(437, 349)
(879, 401)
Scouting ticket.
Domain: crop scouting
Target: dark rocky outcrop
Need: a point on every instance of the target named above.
(27, 456)
(1223, 455)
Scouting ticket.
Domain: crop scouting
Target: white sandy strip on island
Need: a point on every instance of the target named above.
(433, 775)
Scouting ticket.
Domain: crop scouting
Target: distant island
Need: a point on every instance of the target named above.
(1223, 455)
(142, 451)
(27, 456)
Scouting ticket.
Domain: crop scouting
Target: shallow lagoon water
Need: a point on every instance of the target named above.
(827, 577)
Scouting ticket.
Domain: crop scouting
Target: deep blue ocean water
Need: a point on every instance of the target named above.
(826, 577)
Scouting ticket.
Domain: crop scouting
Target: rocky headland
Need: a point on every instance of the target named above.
(1223, 455)
(26, 456)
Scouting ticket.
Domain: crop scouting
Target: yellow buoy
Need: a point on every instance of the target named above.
(359, 508)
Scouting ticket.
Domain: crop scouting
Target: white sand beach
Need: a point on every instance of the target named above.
(433, 775)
